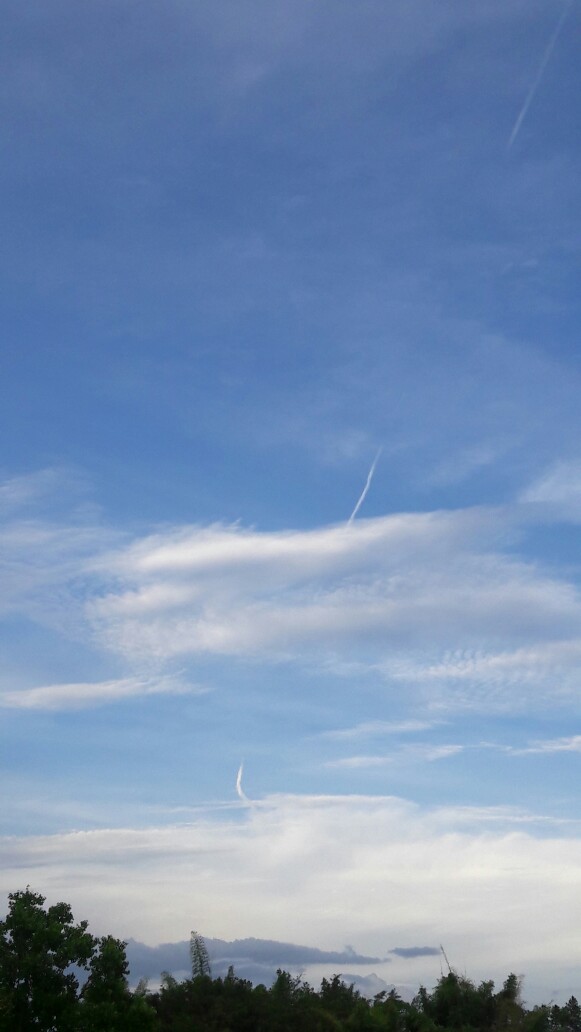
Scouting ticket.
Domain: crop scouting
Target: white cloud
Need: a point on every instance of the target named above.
(324, 870)
(414, 753)
(466, 461)
(297, 554)
(43, 574)
(534, 673)
(402, 590)
(372, 728)
(392, 595)
(572, 744)
(80, 696)
(559, 489)
(359, 762)
(25, 489)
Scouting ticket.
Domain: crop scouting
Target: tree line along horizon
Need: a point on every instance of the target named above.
(55, 976)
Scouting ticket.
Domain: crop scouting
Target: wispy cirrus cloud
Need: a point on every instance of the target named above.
(536, 671)
(49, 535)
(549, 746)
(97, 693)
(232, 590)
(400, 589)
(27, 489)
(559, 489)
(373, 728)
(413, 753)
(392, 595)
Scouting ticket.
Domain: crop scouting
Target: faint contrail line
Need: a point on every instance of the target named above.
(239, 788)
(537, 80)
(363, 494)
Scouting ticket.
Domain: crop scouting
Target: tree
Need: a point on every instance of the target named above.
(199, 956)
(337, 997)
(107, 1004)
(457, 1003)
(510, 1013)
(38, 948)
(41, 952)
(566, 1018)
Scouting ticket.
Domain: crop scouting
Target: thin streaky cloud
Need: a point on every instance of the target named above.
(363, 494)
(388, 584)
(541, 71)
(370, 728)
(240, 791)
(559, 488)
(412, 753)
(462, 816)
(27, 488)
(572, 744)
(98, 693)
(359, 762)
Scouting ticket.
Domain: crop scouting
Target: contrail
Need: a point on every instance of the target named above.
(537, 80)
(363, 494)
(239, 788)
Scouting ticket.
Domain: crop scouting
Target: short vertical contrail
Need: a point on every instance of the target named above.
(239, 788)
(537, 80)
(363, 494)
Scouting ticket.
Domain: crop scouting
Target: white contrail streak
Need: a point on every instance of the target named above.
(363, 494)
(537, 80)
(239, 788)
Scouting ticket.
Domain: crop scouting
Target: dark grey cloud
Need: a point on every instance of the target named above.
(409, 952)
(255, 959)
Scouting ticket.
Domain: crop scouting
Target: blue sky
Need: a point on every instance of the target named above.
(248, 249)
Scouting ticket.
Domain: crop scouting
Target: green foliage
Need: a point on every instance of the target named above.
(199, 958)
(40, 952)
(566, 1018)
(38, 947)
(107, 1004)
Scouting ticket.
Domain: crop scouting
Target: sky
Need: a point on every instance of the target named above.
(290, 477)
